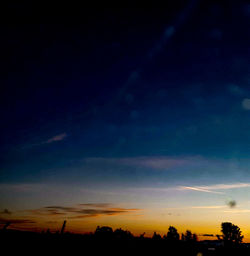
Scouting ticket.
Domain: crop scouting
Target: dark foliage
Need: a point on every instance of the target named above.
(231, 234)
(172, 234)
(189, 237)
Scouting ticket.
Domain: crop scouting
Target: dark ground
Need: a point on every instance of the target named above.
(17, 242)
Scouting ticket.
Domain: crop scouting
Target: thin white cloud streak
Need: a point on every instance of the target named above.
(55, 138)
(58, 137)
(211, 188)
(205, 189)
(199, 189)
(227, 186)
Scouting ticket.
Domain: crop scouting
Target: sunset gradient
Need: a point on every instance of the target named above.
(130, 118)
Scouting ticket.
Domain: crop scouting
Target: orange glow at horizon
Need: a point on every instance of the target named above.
(136, 224)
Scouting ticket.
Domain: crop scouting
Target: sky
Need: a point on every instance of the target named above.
(136, 118)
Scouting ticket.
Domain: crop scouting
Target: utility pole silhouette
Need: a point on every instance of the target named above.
(63, 227)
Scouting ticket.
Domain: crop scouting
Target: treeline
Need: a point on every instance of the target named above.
(105, 240)
(231, 234)
(172, 234)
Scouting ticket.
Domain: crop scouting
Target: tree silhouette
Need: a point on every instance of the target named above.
(231, 234)
(189, 237)
(172, 234)
(156, 236)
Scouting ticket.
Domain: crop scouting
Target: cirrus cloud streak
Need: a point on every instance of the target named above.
(211, 188)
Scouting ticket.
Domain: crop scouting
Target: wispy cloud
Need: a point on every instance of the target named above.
(82, 210)
(98, 205)
(199, 189)
(214, 189)
(227, 186)
(58, 137)
(211, 188)
(16, 221)
(159, 163)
